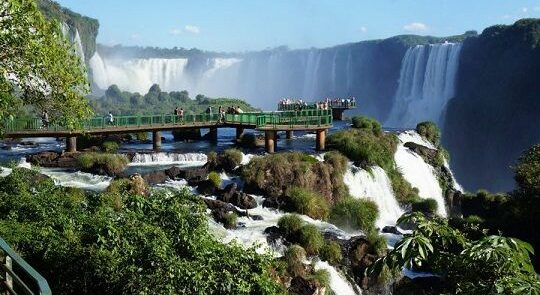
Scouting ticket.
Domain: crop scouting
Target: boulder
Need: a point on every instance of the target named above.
(391, 230)
(302, 286)
(230, 194)
(53, 159)
(429, 155)
(173, 172)
(155, 177)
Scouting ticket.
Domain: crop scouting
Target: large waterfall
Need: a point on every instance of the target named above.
(426, 84)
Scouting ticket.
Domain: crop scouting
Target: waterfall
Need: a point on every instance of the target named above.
(375, 186)
(338, 283)
(99, 73)
(168, 158)
(78, 45)
(418, 173)
(426, 84)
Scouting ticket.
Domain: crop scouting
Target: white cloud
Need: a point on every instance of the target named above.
(415, 27)
(192, 29)
(524, 9)
(175, 31)
(135, 37)
(363, 29)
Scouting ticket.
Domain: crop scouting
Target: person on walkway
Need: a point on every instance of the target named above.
(221, 114)
(110, 119)
(239, 110)
(44, 120)
(176, 111)
(181, 115)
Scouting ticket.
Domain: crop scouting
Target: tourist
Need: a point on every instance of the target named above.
(221, 112)
(176, 111)
(110, 118)
(239, 110)
(44, 120)
(181, 115)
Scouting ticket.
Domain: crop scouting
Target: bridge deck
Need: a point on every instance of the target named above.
(264, 121)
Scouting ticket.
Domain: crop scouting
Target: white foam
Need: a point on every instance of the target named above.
(338, 283)
(150, 159)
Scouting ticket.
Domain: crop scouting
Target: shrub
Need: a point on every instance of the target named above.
(331, 252)
(429, 131)
(378, 242)
(338, 162)
(322, 277)
(295, 256)
(355, 214)
(428, 206)
(309, 203)
(367, 123)
(474, 219)
(527, 172)
(110, 147)
(230, 220)
(109, 164)
(404, 192)
(232, 156)
(215, 178)
(290, 224)
(211, 157)
(365, 147)
(311, 239)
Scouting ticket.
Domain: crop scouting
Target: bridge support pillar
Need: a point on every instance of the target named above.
(337, 114)
(320, 140)
(239, 132)
(289, 134)
(270, 141)
(71, 144)
(156, 140)
(213, 134)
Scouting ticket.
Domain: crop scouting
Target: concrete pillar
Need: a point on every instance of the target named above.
(213, 134)
(156, 140)
(269, 141)
(239, 132)
(71, 144)
(320, 140)
(289, 134)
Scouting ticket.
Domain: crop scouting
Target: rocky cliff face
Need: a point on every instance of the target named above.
(80, 28)
(495, 113)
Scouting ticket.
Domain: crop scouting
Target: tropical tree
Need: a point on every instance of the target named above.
(489, 265)
(38, 66)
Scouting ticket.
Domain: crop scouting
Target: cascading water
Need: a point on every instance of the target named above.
(140, 159)
(338, 283)
(417, 172)
(426, 84)
(374, 186)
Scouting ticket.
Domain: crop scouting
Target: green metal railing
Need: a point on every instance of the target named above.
(259, 119)
(18, 276)
(348, 104)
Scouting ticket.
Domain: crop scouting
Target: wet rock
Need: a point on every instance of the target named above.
(429, 155)
(391, 230)
(230, 194)
(173, 172)
(302, 286)
(53, 159)
(206, 187)
(256, 217)
(274, 235)
(220, 210)
(421, 286)
(186, 134)
(155, 177)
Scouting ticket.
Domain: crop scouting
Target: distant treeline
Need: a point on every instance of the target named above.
(158, 102)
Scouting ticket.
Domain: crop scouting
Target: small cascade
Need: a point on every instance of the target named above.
(418, 173)
(338, 283)
(455, 184)
(78, 45)
(78, 179)
(168, 158)
(374, 185)
(99, 72)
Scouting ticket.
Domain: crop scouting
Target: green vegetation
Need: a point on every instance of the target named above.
(429, 131)
(141, 136)
(151, 244)
(366, 146)
(295, 256)
(487, 265)
(290, 224)
(403, 190)
(299, 232)
(378, 242)
(274, 175)
(311, 239)
(426, 206)
(309, 203)
(110, 164)
(87, 27)
(355, 214)
(232, 157)
(362, 122)
(230, 220)
(159, 102)
(215, 178)
(331, 252)
(110, 146)
(527, 172)
(33, 50)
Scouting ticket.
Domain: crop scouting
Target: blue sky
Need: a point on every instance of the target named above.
(238, 25)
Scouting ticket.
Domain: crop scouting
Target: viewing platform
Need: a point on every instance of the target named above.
(336, 106)
(269, 122)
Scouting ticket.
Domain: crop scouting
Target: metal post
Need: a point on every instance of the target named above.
(71, 144)
(320, 140)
